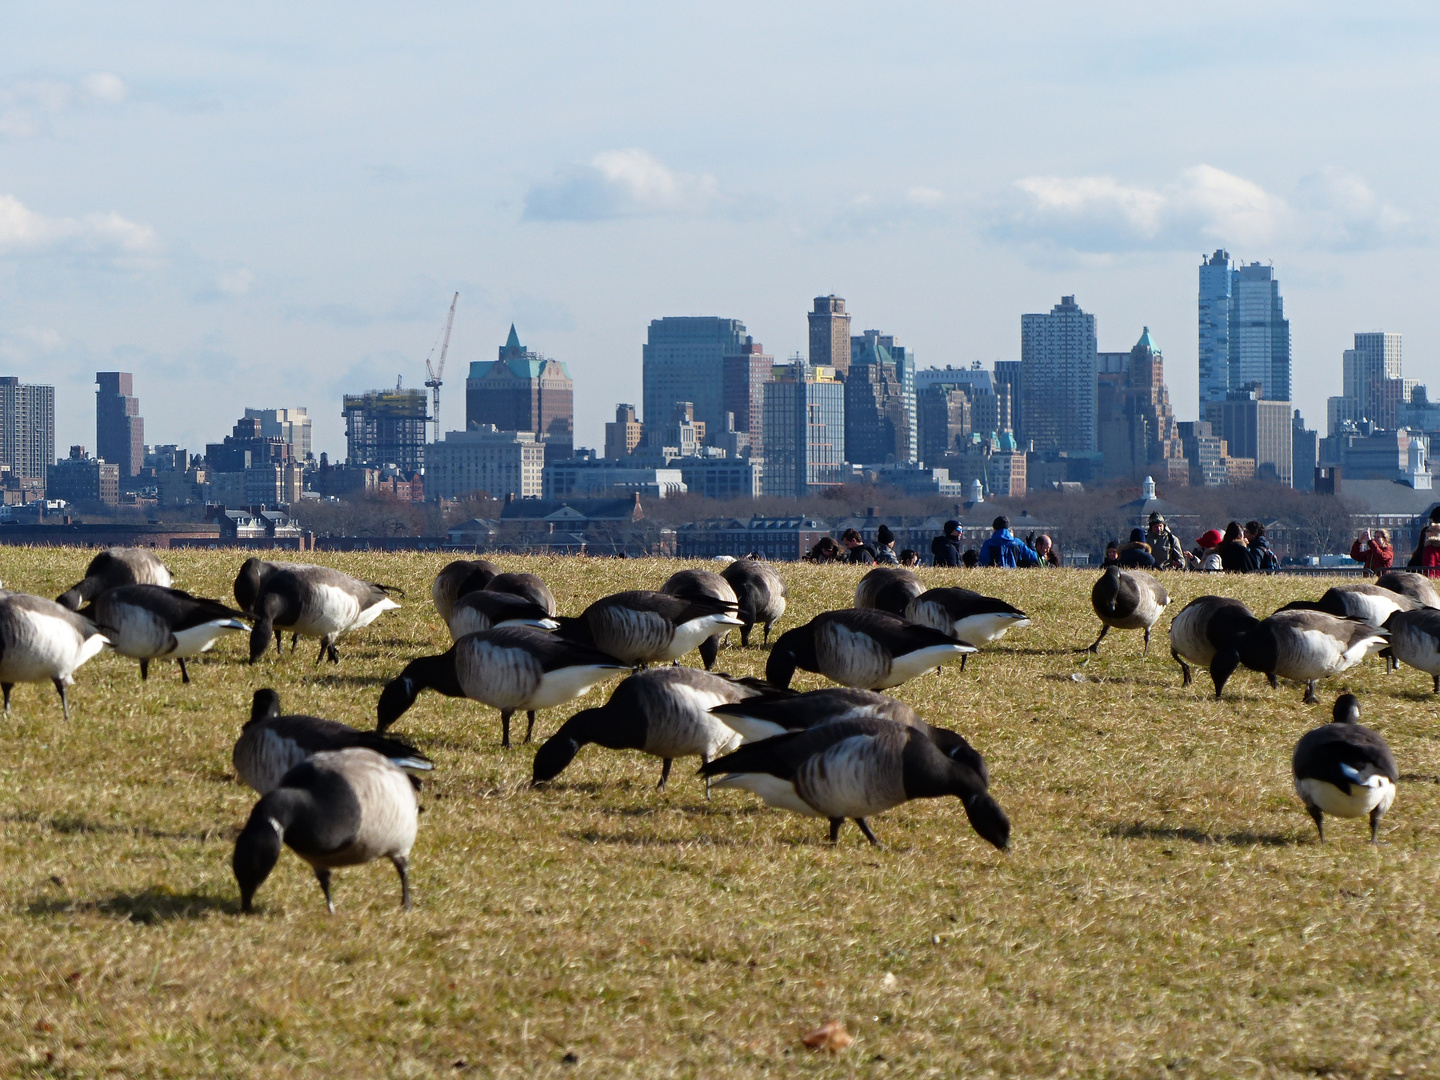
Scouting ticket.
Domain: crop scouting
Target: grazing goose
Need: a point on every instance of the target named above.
(112, 567)
(855, 769)
(664, 712)
(42, 641)
(1415, 640)
(760, 591)
(312, 601)
(336, 808)
(870, 650)
(966, 616)
(1344, 769)
(772, 714)
(1127, 600)
(703, 585)
(509, 669)
(888, 588)
(1368, 603)
(149, 622)
(270, 745)
(1416, 586)
(526, 586)
(459, 578)
(641, 627)
(1303, 646)
(1202, 627)
(485, 610)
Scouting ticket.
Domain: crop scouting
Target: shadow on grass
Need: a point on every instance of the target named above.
(337, 681)
(146, 908)
(628, 839)
(1419, 778)
(67, 825)
(1139, 831)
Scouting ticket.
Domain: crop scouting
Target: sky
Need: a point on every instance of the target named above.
(272, 205)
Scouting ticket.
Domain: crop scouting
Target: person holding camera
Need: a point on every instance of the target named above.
(1373, 551)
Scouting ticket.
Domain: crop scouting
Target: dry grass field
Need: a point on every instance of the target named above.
(1164, 911)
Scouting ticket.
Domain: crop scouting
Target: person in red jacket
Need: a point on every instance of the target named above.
(1373, 551)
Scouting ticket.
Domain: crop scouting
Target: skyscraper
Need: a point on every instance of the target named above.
(903, 360)
(830, 334)
(291, 425)
(742, 392)
(387, 427)
(1215, 284)
(1135, 425)
(684, 361)
(524, 391)
(27, 431)
(1057, 363)
(877, 423)
(119, 428)
(1373, 379)
(1259, 333)
(1262, 430)
(804, 430)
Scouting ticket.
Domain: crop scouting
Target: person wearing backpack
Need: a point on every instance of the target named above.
(1262, 559)
(1004, 549)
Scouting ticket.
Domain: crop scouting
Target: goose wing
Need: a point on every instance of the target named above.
(1342, 754)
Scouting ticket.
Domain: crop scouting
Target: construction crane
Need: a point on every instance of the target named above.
(437, 372)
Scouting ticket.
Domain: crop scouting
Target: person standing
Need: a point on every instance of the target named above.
(885, 547)
(1004, 549)
(1373, 551)
(945, 549)
(1165, 546)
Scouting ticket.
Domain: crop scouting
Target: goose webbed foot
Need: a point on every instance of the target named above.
(184, 674)
(323, 876)
(1310, 698)
(320, 657)
(1272, 680)
(402, 867)
(334, 654)
(835, 823)
(869, 833)
(1094, 647)
(64, 701)
(664, 773)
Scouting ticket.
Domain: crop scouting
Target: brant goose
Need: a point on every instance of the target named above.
(485, 610)
(1127, 600)
(641, 627)
(867, 649)
(112, 567)
(761, 594)
(312, 601)
(966, 616)
(1202, 627)
(457, 579)
(888, 588)
(42, 641)
(1344, 769)
(703, 585)
(150, 622)
(1304, 646)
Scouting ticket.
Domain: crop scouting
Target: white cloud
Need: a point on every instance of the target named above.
(25, 231)
(1203, 206)
(621, 183)
(27, 106)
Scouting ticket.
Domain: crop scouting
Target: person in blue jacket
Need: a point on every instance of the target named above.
(1003, 549)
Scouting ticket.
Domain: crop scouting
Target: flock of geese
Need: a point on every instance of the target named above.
(339, 796)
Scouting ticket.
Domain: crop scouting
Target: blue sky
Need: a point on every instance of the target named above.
(272, 205)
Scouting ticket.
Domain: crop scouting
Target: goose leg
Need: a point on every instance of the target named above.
(334, 654)
(184, 674)
(664, 773)
(323, 876)
(1274, 682)
(402, 867)
(1437, 684)
(1145, 649)
(144, 670)
(294, 644)
(280, 644)
(321, 657)
(745, 635)
(1310, 698)
(530, 723)
(835, 823)
(1375, 816)
(963, 658)
(767, 633)
(1184, 668)
(705, 760)
(64, 701)
(865, 828)
(1104, 629)
(1319, 821)
(7, 687)
(505, 727)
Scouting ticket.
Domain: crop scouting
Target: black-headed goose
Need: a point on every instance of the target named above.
(856, 769)
(114, 567)
(336, 808)
(1303, 646)
(760, 592)
(966, 616)
(888, 588)
(1417, 587)
(1362, 600)
(42, 641)
(270, 745)
(485, 610)
(149, 622)
(459, 578)
(704, 585)
(642, 627)
(1202, 628)
(769, 715)
(313, 601)
(870, 650)
(1415, 640)
(528, 586)
(1127, 600)
(1345, 770)
(664, 712)
(511, 669)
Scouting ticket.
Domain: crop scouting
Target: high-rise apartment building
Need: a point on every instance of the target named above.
(1304, 454)
(119, 428)
(1374, 384)
(684, 360)
(1262, 430)
(27, 431)
(1057, 361)
(1244, 335)
(1009, 392)
(524, 391)
(830, 334)
(387, 427)
(288, 425)
(904, 361)
(804, 430)
(742, 392)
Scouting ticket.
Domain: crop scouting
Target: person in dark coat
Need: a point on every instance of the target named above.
(856, 550)
(1234, 554)
(885, 547)
(1136, 554)
(945, 549)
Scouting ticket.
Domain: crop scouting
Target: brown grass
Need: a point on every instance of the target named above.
(1165, 909)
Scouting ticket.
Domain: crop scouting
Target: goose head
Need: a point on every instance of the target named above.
(257, 850)
(1346, 711)
(265, 705)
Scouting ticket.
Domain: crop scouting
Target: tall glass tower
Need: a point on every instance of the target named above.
(1244, 335)
(1215, 274)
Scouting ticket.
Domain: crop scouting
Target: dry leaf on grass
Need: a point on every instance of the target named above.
(830, 1036)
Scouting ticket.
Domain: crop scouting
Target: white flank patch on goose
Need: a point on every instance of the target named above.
(331, 610)
(1362, 799)
(989, 627)
(48, 648)
(774, 791)
(908, 666)
(568, 683)
(750, 728)
(687, 726)
(199, 639)
(373, 612)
